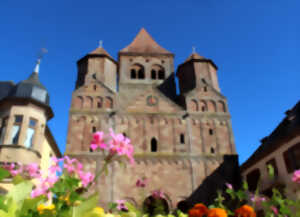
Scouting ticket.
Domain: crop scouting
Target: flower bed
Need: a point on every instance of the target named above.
(62, 193)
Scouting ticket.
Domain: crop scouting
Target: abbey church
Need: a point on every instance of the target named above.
(180, 137)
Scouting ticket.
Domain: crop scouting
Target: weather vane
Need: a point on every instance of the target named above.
(100, 43)
(40, 55)
(193, 49)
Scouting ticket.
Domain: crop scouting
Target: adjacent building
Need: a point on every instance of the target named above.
(24, 113)
(179, 140)
(281, 149)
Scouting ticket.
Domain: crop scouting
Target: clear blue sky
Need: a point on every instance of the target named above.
(255, 44)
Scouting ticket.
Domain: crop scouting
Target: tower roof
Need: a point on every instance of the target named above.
(144, 43)
(194, 56)
(100, 51)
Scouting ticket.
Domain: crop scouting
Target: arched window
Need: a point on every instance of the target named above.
(194, 105)
(141, 74)
(153, 145)
(132, 74)
(182, 138)
(78, 102)
(99, 102)
(94, 129)
(108, 102)
(212, 150)
(203, 105)
(211, 131)
(221, 106)
(161, 74)
(157, 72)
(153, 74)
(137, 71)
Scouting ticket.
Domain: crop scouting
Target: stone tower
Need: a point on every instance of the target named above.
(179, 140)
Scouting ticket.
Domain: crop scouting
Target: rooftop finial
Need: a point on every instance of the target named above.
(100, 43)
(38, 62)
(193, 49)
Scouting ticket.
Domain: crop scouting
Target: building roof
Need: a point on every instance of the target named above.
(287, 129)
(5, 88)
(144, 43)
(31, 88)
(100, 51)
(194, 56)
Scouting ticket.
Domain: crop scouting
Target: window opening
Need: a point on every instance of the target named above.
(133, 74)
(124, 134)
(2, 129)
(182, 138)
(16, 129)
(153, 145)
(211, 131)
(153, 74)
(94, 129)
(161, 74)
(212, 150)
(30, 133)
(203, 108)
(205, 89)
(141, 74)
(95, 87)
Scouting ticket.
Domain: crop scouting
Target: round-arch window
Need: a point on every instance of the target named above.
(212, 150)
(153, 145)
(155, 206)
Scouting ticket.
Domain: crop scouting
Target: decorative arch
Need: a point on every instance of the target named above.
(194, 106)
(221, 106)
(88, 102)
(151, 204)
(108, 102)
(78, 102)
(99, 102)
(212, 107)
(203, 105)
(137, 71)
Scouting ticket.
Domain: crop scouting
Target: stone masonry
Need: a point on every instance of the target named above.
(179, 140)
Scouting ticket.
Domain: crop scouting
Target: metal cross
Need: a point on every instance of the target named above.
(100, 43)
(193, 49)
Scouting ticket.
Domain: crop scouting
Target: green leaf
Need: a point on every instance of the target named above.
(3, 173)
(271, 171)
(21, 191)
(18, 179)
(245, 185)
(31, 204)
(86, 206)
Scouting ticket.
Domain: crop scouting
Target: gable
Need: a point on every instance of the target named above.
(152, 101)
(96, 87)
(205, 90)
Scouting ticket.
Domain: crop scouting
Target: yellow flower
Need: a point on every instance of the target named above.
(42, 207)
(99, 210)
(216, 212)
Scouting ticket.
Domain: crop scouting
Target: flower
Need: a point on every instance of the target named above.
(121, 205)
(41, 208)
(274, 209)
(245, 211)
(86, 178)
(99, 211)
(98, 141)
(198, 210)
(158, 194)
(229, 186)
(216, 212)
(141, 183)
(296, 176)
(257, 200)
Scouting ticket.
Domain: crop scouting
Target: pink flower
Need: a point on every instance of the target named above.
(141, 183)
(69, 164)
(296, 176)
(33, 170)
(86, 178)
(229, 186)
(274, 209)
(257, 200)
(119, 144)
(121, 205)
(98, 141)
(158, 194)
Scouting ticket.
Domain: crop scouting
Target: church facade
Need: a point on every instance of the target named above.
(179, 139)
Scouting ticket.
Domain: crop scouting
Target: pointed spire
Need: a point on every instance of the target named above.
(37, 66)
(144, 43)
(194, 56)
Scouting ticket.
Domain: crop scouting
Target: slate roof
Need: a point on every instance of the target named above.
(144, 43)
(30, 88)
(287, 129)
